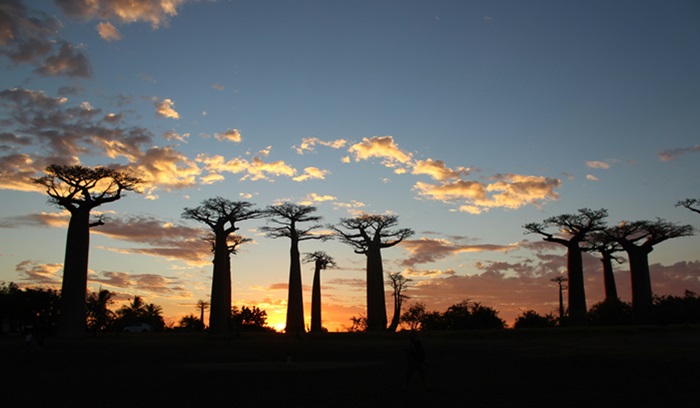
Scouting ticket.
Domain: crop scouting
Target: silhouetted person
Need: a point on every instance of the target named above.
(415, 359)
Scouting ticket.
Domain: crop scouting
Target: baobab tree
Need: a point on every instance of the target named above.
(606, 247)
(575, 228)
(287, 218)
(638, 239)
(202, 305)
(322, 261)
(559, 280)
(368, 234)
(221, 215)
(398, 283)
(79, 189)
(693, 204)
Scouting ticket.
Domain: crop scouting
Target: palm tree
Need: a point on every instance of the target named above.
(99, 317)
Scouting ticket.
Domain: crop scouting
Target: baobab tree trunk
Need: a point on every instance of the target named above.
(609, 278)
(295, 301)
(577, 292)
(316, 326)
(642, 302)
(395, 320)
(220, 309)
(75, 269)
(376, 304)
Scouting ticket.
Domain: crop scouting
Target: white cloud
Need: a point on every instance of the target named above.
(108, 32)
(165, 108)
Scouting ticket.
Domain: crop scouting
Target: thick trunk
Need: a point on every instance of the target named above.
(316, 326)
(376, 304)
(220, 310)
(75, 269)
(295, 301)
(641, 284)
(577, 293)
(609, 278)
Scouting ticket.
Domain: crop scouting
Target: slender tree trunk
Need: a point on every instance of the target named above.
(396, 319)
(316, 326)
(295, 301)
(577, 292)
(561, 303)
(642, 301)
(609, 278)
(72, 321)
(376, 304)
(220, 309)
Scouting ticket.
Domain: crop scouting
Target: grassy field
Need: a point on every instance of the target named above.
(622, 367)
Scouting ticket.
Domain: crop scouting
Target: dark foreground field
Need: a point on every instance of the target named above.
(630, 367)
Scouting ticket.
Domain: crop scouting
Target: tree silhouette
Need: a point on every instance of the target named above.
(221, 215)
(398, 283)
(559, 280)
(202, 305)
(79, 189)
(638, 239)
(606, 247)
(322, 261)
(287, 217)
(693, 204)
(99, 317)
(132, 312)
(576, 227)
(372, 233)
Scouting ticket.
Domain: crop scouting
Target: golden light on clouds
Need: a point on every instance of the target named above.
(165, 108)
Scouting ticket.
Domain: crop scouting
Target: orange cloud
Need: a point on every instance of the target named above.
(382, 147)
(426, 250)
(307, 144)
(156, 12)
(438, 170)
(312, 173)
(108, 32)
(231, 135)
(165, 108)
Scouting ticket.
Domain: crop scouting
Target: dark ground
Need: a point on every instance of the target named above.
(625, 367)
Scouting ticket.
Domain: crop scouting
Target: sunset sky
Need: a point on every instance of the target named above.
(467, 119)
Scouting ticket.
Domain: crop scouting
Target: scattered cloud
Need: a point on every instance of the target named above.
(40, 274)
(438, 170)
(308, 144)
(217, 87)
(673, 154)
(427, 250)
(312, 173)
(108, 32)
(597, 165)
(382, 147)
(591, 177)
(255, 169)
(231, 135)
(156, 12)
(165, 108)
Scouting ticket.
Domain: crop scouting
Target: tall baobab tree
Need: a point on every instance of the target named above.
(606, 247)
(398, 283)
(368, 235)
(202, 305)
(322, 261)
(221, 215)
(575, 228)
(79, 189)
(287, 218)
(638, 239)
(559, 280)
(693, 204)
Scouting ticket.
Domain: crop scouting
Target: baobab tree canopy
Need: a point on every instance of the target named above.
(368, 234)
(221, 215)
(574, 229)
(79, 189)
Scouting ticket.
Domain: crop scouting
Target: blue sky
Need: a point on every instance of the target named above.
(466, 119)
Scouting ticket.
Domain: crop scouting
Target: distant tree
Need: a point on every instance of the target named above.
(559, 280)
(606, 246)
(359, 323)
(221, 215)
(638, 239)
(472, 315)
(287, 218)
(677, 309)
(322, 261)
(79, 189)
(153, 315)
(249, 319)
(99, 317)
(414, 316)
(202, 305)
(575, 228)
(693, 204)
(610, 312)
(530, 319)
(131, 313)
(399, 284)
(191, 323)
(368, 235)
